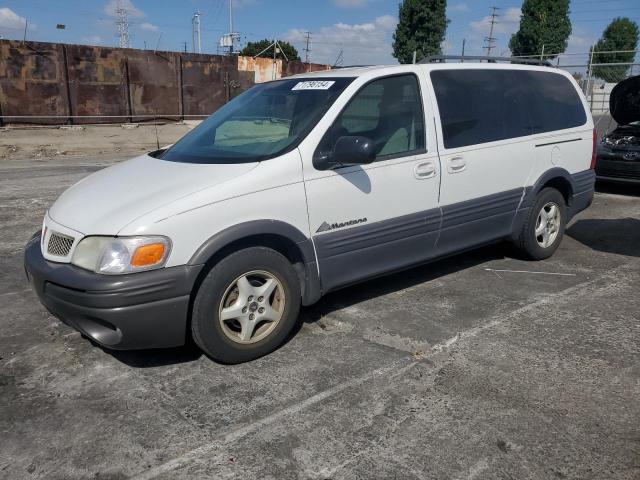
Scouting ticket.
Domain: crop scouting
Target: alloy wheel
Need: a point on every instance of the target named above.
(251, 307)
(548, 224)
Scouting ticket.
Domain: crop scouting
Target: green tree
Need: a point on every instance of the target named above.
(620, 36)
(421, 28)
(544, 25)
(254, 48)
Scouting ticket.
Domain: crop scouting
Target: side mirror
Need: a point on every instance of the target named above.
(348, 150)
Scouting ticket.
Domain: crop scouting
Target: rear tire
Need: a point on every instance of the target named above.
(543, 228)
(246, 306)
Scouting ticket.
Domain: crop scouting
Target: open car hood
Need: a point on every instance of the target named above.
(624, 101)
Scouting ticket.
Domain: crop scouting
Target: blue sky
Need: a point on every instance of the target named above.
(361, 28)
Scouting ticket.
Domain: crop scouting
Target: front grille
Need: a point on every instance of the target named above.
(618, 169)
(59, 245)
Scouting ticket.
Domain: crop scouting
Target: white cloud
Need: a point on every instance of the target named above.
(446, 47)
(350, 3)
(577, 41)
(149, 27)
(10, 20)
(580, 40)
(132, 11)
(459, 7)
(363, 43)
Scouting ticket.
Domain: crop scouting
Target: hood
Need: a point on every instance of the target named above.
(104, 202)
(624, 101)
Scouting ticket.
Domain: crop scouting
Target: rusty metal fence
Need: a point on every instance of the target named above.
(51, 83)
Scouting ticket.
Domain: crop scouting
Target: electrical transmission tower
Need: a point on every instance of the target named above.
(491, 40)
(307, 48)
(195, 32)
(122, 24)
(229, 40)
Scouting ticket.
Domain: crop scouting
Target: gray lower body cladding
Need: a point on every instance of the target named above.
(353, 254)
(349, 255)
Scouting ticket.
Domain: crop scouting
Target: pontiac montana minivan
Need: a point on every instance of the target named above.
(304, 185)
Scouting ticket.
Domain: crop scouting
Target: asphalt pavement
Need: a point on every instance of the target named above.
(480, 366)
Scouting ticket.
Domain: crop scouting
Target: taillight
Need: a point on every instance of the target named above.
(593, 152)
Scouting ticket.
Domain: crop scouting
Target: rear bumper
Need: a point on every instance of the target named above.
(583, 186)
(141, 310)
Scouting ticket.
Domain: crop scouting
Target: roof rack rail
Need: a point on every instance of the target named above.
(525, 61)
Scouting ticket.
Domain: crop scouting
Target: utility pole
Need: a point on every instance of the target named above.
(195, 32)
(122, 24)
(491, 40)
(231, 32)
(307, 49)
(464, 42)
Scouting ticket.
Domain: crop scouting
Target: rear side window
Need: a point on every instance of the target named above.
(480, 106)
(388, 111)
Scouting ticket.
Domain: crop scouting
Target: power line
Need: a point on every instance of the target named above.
(491, 40)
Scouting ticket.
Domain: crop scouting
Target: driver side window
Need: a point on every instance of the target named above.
(387, 111)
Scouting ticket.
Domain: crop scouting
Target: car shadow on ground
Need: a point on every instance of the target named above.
(331, 302)
(618, 188)
(158, 357)
(609, 235)
(361, 292)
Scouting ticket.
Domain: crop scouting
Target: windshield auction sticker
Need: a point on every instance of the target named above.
(314, 85)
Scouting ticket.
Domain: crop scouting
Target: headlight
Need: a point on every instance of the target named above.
(112, 255)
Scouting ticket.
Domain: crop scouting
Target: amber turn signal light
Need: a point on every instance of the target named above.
(147, 255)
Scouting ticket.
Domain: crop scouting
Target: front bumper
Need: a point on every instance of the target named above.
(615, 168)
(134, 311)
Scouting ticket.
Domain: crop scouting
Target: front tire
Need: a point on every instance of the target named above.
(246, 306)
(543, 228)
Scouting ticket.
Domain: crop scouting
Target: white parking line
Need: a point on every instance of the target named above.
(528, 271)
(6, 294)
(394, 369)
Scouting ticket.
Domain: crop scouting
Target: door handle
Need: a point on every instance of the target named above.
(425, 170)
(456, 165)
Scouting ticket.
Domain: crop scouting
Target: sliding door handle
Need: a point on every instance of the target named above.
(456, 165)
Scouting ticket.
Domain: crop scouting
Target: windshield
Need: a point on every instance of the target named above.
(263, 122)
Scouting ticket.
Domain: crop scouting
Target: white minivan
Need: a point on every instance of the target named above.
(304, 185)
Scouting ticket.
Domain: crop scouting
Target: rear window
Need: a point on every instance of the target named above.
(480, 106)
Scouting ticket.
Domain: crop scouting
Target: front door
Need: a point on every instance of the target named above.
(370, 219)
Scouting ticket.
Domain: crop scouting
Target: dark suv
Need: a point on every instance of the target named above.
(619, 151)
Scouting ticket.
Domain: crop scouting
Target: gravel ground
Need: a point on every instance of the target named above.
(480, 366)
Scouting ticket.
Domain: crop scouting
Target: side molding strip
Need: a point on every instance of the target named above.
(558, 142)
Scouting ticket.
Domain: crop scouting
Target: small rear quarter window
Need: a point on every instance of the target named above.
(486, 105)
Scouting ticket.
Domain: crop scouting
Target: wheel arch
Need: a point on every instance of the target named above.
(557, 178)
(277, 235)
